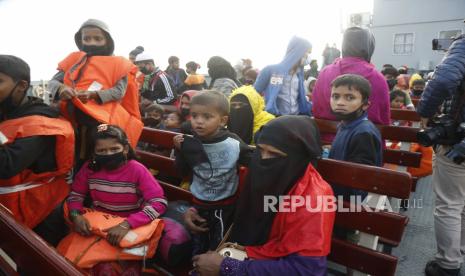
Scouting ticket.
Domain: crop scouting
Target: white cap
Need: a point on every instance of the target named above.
(143, 57)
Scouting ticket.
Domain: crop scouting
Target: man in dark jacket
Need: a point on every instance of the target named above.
(158, 86)
(178, 75)
(448, 177)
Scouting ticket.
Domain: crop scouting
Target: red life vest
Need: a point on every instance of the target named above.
(30, 196)
(82, 71)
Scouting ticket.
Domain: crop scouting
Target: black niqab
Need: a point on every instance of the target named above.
(241, 119)
(299, 138)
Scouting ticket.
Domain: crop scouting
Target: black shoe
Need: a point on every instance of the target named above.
(433, 269)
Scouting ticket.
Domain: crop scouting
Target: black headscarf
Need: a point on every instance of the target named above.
(358, 42)
(299, 138)
(241, 119)
(218, 68)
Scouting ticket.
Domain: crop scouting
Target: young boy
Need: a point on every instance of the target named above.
(397, 98)
(417, 88)
(357, 139)
(173, 122)
(95, 87)
(153, 115)
(212, 155)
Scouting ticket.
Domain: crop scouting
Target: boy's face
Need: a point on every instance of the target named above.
(172, 121)
(154, 115)
(7, 84)
(93, 36)
(206, 120)
(397, 102)
(345, 100)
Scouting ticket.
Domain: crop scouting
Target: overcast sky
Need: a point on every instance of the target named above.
(42, 32)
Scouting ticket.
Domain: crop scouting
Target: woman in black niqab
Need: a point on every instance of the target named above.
(296, 136)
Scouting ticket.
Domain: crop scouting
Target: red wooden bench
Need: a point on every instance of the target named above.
(32, 255)
(402, 114)
(379, 182)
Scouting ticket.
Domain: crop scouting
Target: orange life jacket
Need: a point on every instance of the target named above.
(194, 79)
(30, 196)
(85, 252)
(426, 164)
(82, 71)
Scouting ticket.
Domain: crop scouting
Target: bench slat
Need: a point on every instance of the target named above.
(159, 137)
(403, 134)
(161, 163)
(367, 178)
(6, 268)
(406, 115)
(390, 226)
(175, 193)
(402, 158)
(362, 259)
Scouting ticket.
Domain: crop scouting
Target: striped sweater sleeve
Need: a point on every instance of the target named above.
(155, 202)
(79, 189)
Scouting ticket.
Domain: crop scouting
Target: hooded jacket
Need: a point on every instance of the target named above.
(270, 80)
(99, 24)
(261, 117)
(357, 49)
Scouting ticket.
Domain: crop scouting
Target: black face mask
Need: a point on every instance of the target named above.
(185, 112)
(93, 50)
(391, 83)
(417, 92)
(110, 162)
(151, 122)
(7, 105)
(349, 116)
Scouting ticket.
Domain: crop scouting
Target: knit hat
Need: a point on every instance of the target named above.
(137, 51)
(15, 68)
(99, 24)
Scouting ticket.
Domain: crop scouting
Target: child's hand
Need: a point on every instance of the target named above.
(66, 93)
(81, 225)
(117, 233)
(194, 222)
(177, 140)
(85, 96)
